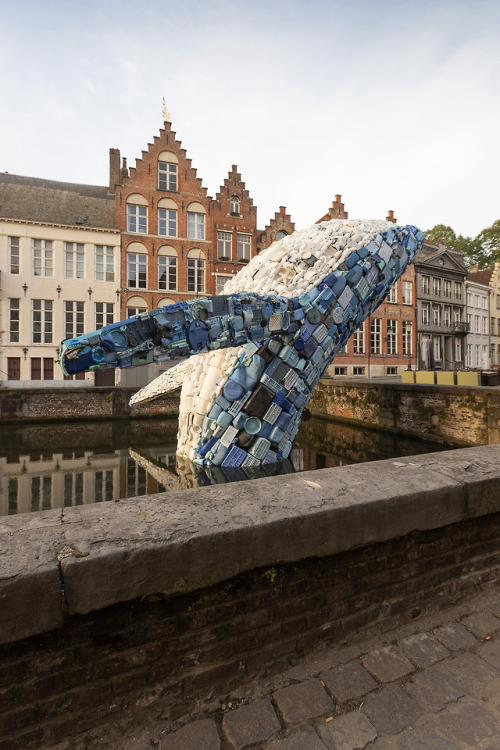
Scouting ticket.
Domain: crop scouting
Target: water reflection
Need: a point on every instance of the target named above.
(54, 465)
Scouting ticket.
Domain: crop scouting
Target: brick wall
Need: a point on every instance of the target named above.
(171, 657)
(87, 403)
(456, 416)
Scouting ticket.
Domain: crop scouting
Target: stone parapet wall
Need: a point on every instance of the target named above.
(169, 601)
(46, 404)
(449, 414)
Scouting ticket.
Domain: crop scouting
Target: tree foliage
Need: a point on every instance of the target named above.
(483, 250)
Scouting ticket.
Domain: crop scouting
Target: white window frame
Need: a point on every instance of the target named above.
(234, 205)
(406, 293)
(137, 218)
(104, 314)
(220, 281)
(104, 263)
(74, 319)
(407, 331)
(42, 311)
(14, 255)
(425, 313)
(243, 247)
(376, 336)
(167, 266)
(43, 258)
(195, 225)
(14, 319)
(447, 288)
(393, 295)
(135, 262)
(224, 244)
(167, 176)
(358, 340)
(74, 260)
(196, 275)
(426, 284)
(392, 336)
(167, 222)
(436, 286)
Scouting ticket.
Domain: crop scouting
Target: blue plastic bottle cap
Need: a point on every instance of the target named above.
(98, 354)
(252, 425)
(299, 344)
(232, 390)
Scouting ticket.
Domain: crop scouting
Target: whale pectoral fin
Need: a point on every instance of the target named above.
(168, 381)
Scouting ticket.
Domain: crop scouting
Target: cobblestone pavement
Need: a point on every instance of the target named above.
(432, 684)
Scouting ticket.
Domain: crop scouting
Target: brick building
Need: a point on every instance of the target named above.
(177, 241)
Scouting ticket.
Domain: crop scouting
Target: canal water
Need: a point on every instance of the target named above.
(60, 465)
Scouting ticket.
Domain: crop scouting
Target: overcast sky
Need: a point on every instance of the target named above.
(394, 105)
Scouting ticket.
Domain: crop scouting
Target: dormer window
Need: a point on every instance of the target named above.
(234, 205)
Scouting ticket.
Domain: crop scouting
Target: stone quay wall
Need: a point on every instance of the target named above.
(160, 606)
(449, 414)
(47, 404)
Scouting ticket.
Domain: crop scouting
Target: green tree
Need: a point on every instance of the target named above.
(470, 247)
(488, 242)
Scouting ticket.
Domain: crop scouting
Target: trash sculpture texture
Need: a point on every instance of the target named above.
(257, 352)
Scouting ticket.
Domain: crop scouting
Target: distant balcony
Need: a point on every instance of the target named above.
(460, 327)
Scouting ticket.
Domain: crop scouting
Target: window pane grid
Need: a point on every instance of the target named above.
(167, 176)
(167, 222)
(167, 273)
(14, 254)
(195, 225)
(104, 263)
(136, 271)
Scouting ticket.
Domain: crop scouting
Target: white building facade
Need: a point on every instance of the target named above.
(60, 274)
(477, 355)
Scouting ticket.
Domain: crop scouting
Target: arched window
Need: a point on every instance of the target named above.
(196, 221)
(196, 271)
(281, 234)
(166, 301)
(167, 268)
(167, 218)
(136, 306)
(234, 204)
(137, 214)
(167, 171)
(137, 266)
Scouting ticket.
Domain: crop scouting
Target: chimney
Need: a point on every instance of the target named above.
(390, 217)
(124, 173)
(114, 168)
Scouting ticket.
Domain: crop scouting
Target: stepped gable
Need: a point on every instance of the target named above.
(281, 222)
(51, 202)
(165, 141)
(336, 211)
(234, 186)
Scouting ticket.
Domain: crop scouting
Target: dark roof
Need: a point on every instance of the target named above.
(51, 202)
(481, 277)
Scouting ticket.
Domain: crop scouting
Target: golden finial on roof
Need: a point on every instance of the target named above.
(164, 111)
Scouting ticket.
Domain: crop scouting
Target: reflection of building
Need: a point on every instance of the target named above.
(491, 278)
(441, 321)
(59, 273)
(57, 480)
(477, 353)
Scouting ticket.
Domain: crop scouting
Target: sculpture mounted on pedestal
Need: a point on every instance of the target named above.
(257, 352)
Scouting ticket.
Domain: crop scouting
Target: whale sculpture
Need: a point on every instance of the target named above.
(257, 352)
